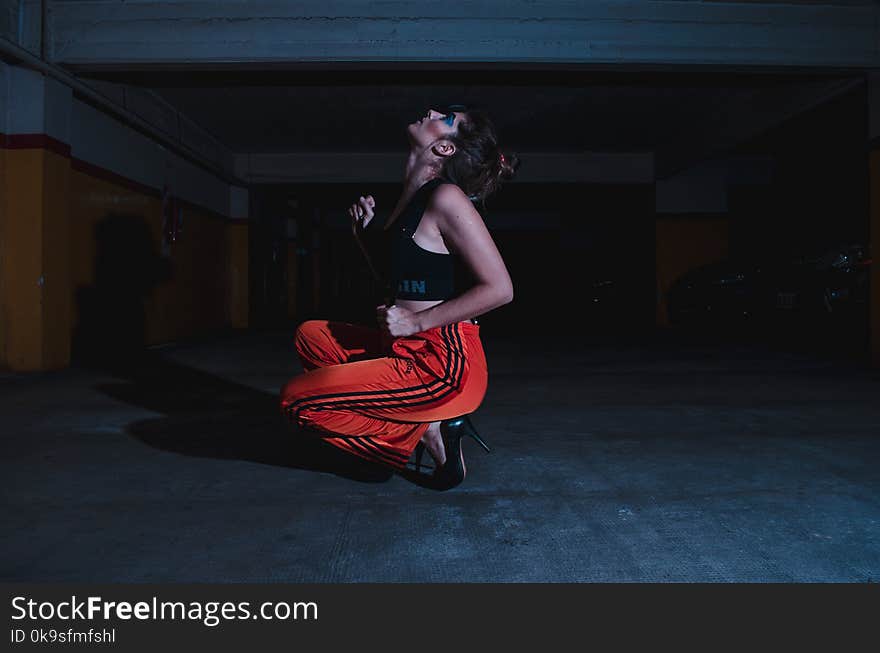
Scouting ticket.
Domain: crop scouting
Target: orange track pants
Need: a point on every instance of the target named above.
(375, 399)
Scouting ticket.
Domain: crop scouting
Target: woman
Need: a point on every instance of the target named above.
(380, 393)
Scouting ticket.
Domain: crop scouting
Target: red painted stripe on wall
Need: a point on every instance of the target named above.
(44, 141)
(109, 175)
(29, 141)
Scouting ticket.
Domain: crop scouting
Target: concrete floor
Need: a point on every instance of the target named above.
(657, 461)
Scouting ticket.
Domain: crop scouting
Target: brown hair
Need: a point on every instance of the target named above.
(479, 165)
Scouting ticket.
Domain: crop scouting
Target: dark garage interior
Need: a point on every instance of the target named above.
(683, 389)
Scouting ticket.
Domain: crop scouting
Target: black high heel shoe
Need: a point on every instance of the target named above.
(453, 471)
(420, 452)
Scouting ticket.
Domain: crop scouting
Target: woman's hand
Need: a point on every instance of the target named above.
(362, 211)
(397, 321)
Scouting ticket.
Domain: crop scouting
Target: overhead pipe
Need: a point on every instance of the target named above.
(23, 56)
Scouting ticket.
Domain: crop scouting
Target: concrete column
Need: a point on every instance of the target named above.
(237, 247)
(21, 22)
(35, 276)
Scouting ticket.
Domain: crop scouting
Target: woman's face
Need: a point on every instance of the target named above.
(433, 126)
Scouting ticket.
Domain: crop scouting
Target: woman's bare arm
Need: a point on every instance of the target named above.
(466, 235)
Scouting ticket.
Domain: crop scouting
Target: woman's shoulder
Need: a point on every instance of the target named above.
(447, 194)
(453, 211)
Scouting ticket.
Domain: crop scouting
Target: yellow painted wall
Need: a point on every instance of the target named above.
(193, 299)
(56, 308)
(22, 259)
(82, 253)
(181, 295)
(35, 292)
(683, 243)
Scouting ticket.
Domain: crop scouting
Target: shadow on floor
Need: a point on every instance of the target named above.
(210, 417)
(202, 414)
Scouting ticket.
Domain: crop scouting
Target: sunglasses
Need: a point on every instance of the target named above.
(450, 113)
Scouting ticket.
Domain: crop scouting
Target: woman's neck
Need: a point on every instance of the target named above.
(416, 175)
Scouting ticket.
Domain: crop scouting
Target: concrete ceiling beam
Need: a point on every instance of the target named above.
(261, 33)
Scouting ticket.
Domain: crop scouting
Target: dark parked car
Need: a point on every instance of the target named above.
(831, 286)
(724, 293)
(834, 282)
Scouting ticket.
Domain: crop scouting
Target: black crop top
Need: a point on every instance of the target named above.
(412, 272)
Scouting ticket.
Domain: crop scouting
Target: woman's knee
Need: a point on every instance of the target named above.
(309, 329)
(309, 341)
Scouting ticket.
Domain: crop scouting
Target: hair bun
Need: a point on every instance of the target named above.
(508, 162)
